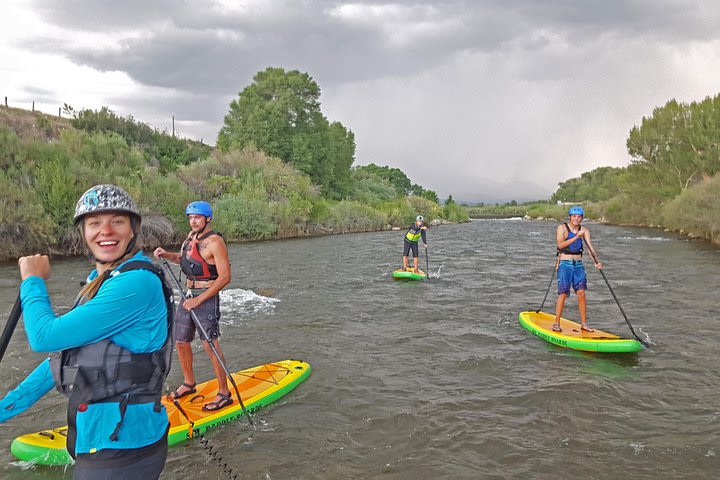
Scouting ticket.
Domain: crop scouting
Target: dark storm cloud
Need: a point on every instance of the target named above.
(198, 46)
(531, 91)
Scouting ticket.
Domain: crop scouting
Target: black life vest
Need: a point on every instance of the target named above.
(106, 372)
(193, 265)
(576, 247)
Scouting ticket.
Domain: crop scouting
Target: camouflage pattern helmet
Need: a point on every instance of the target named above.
(105, 198)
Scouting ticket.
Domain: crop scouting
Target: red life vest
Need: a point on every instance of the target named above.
(193, 264)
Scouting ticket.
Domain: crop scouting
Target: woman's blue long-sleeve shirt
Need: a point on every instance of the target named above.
(129, 309)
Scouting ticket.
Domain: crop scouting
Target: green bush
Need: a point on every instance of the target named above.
(427, 208)
(24, 226)
(320, 211)
(58, 190)
(696, 210)
(453, 212)
(399, 212)
(351, 216)
(245, 216)
(156, 193)
(370, 188)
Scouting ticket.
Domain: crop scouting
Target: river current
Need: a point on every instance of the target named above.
(436, 379)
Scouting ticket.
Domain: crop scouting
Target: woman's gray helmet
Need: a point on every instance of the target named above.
(419, 218)
(105, 198)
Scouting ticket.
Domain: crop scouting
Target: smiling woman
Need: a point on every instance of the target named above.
(111, 351)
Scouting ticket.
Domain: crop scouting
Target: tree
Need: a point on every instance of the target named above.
(393, 175)
(679, 144)
(421, 192)
(279, 113)
(596, 185)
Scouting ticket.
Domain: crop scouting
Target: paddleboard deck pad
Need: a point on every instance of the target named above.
(258, 387)
(573, 337)
(409, 274)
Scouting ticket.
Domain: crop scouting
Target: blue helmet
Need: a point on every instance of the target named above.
(199, 208)
(576, 211)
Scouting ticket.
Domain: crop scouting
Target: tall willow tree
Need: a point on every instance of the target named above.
(279, 113)
(679, 144)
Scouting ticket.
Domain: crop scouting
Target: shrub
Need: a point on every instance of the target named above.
(351, 216)
(160, 194)
(399, 212)
(453, 212)
(696, 210)
(245, 216)
(425, 207)
(24, 226)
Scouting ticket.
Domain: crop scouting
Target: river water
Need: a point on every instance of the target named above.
(437, 379)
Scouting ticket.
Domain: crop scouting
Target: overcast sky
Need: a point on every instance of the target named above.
(482, 99)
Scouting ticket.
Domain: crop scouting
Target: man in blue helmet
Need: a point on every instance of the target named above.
(570, 271)
(203, 259)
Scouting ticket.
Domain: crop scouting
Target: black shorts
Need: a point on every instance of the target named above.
(134, 463)
(407, 246)
(208, 313)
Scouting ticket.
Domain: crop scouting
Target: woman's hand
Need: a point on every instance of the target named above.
(34, 266)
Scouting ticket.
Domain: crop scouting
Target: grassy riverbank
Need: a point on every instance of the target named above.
(673, 181)
(47, 163)
(694, 213)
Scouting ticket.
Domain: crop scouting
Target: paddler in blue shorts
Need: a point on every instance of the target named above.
(415, 232)
(570, 270)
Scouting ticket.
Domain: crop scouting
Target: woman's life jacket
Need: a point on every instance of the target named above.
(106, 372)
(414, 233)
(193, 265)
(576, 247)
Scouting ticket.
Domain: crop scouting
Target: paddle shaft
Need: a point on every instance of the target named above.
(206, 337)
(10, 326)
(549, 284)
(612, 292)
(427, 263)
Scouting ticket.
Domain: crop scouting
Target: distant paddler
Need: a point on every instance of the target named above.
(570, 269)
(412, 238)
(203, 259)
